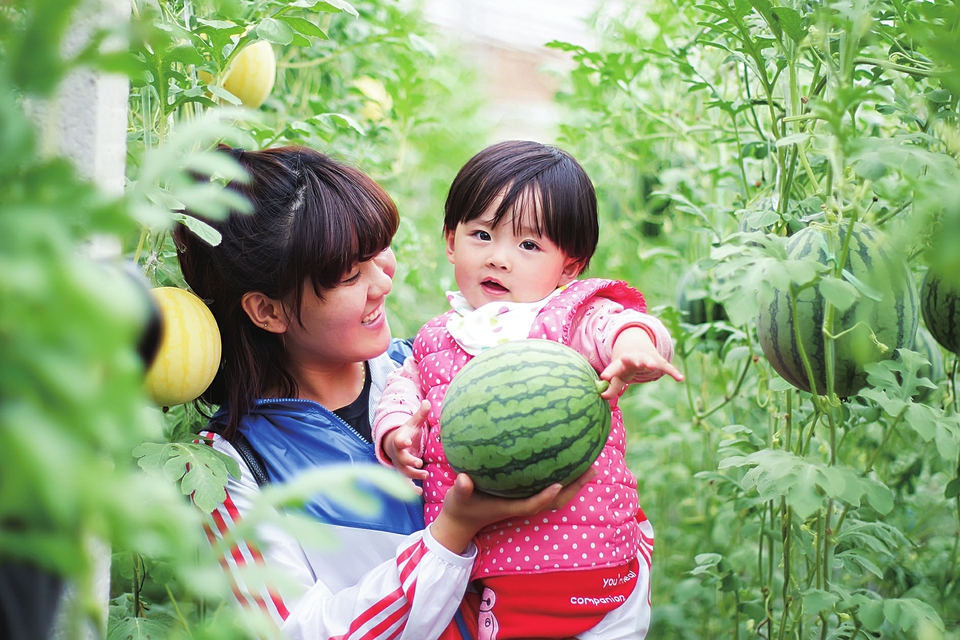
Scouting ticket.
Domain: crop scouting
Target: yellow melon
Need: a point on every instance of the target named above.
(190, 348)
(251, 74)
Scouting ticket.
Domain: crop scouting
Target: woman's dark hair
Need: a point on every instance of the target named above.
(531, 177)
(313, 219)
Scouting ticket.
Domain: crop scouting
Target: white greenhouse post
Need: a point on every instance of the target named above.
(87, 123)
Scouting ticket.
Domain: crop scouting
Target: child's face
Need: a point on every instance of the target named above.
(497, 264)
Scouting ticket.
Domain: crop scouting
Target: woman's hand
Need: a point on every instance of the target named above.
(465, 510)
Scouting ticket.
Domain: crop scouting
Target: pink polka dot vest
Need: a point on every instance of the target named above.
(599, 527)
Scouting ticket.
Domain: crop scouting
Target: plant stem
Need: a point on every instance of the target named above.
(893, 66)
(138, 607)
(728, 397)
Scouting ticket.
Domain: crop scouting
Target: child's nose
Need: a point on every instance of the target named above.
(499, 258)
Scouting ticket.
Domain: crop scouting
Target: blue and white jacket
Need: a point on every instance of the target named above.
(371, 575)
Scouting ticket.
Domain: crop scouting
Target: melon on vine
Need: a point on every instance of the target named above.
(940, 305)
(882, 319)
(190, 347)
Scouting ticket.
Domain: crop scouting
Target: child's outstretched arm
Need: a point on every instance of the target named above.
(634, 353)
(625, 345)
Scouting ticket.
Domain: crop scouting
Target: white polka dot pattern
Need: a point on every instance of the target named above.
(600, 525)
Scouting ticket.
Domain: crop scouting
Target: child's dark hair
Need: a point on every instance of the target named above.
(313, 219)
(531, 177)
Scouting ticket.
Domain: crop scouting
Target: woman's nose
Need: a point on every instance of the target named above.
(385, 267)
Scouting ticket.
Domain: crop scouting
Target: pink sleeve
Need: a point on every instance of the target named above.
(601, 320)
(401, 399)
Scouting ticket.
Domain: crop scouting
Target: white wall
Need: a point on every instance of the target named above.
(506, 40)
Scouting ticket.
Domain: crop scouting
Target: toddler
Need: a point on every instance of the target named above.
(520, 226)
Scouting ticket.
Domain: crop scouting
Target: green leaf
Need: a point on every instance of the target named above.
(305, 27)
(817, 600)
(206, 233)
(137, 628)
(790, 22)
(201, 470)
(870, 168)
(863, 287)
(185, 54)
(852, 557)
(796, 138)
(840, 294)
(878, 495)
(922, 420)
(327, 6)
(341, 119)
(953, 489)
(276, 31)
(223, 94)
(871, 614)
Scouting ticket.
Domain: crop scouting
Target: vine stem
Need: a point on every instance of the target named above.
(786, 522)
(893, 66)
(873, 459)
(955, 554)
(730, 396)
(176, 608)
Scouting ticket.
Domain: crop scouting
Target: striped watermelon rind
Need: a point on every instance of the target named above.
(891, 320)
(524, 415)
(940, 306)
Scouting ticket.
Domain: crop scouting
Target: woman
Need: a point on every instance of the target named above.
(298, 289)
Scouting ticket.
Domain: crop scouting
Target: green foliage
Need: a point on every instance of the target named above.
(73, 416)
(754, 119)
(72, 405)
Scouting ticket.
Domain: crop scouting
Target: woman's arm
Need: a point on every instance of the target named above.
(387, 586)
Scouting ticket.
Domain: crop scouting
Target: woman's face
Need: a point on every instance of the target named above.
(350, 323)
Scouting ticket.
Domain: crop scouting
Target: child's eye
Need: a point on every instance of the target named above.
(529, 245)
(481, 235)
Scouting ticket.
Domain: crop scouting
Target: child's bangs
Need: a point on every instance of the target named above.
(528, 208)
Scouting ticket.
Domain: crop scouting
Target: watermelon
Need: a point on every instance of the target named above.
(940, 305)
(524, 415)
(886, 309)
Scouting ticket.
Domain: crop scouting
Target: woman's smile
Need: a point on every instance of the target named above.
(372, 318)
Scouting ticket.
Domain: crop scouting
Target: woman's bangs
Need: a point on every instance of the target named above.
(374, 228)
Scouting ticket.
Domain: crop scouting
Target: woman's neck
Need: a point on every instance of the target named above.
(331, 387)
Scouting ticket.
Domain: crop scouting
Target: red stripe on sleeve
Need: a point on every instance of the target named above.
(412, 559)
(377, 632)
(379, 607)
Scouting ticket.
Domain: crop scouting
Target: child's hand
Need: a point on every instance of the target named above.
(633, 353)
(402, 445)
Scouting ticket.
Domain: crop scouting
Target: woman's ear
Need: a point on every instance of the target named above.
(571, 270)
(264, 312)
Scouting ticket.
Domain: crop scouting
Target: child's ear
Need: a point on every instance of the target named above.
(571, 270)
(264, 312)
(449, 236)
